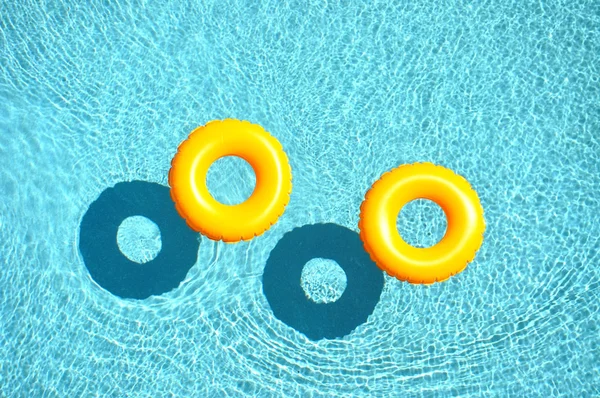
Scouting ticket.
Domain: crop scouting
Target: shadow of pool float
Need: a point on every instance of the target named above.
(105, 262)
(286, 297)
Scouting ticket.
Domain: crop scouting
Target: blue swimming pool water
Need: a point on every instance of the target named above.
(506, 93)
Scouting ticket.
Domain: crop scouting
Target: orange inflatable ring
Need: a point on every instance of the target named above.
(193, 201)
(464, 215)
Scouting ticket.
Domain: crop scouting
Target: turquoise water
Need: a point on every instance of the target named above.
(505, 93)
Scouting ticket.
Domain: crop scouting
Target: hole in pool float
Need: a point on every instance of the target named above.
(139, 239)
(109, 267)
(323, 280)
(230, 180)
(421, 223)
(286, 296)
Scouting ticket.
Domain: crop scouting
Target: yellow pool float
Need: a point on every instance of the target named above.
(193, 201)
(464, 214)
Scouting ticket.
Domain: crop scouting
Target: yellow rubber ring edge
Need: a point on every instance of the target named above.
(461, 205)
(193, 201)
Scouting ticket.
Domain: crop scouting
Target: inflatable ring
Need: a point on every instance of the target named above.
(283, 272)
(464, 214)
(105, 262)
(192, 198)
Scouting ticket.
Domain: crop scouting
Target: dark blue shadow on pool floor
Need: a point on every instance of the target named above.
(281, 281)
(103, 258)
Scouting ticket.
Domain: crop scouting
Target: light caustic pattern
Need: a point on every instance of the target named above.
(503, 93)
